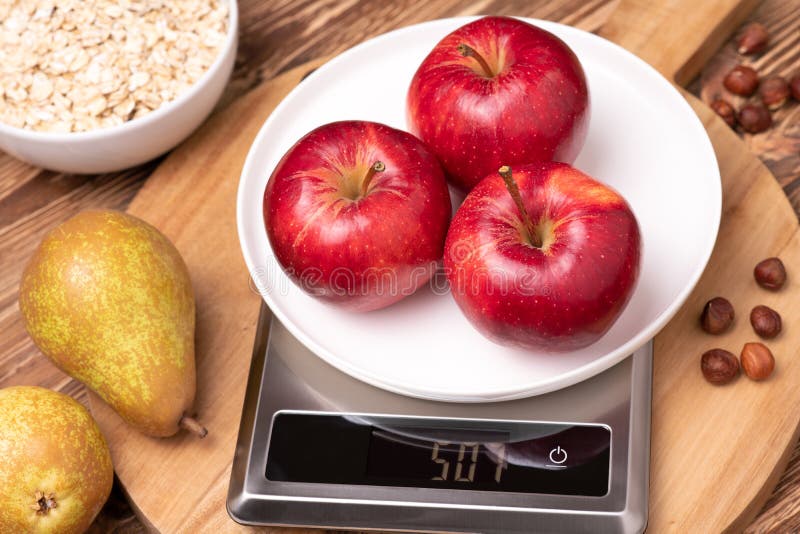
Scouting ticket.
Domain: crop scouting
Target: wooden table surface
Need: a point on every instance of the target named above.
(281, 34)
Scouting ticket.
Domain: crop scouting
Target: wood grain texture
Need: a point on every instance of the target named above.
(276, 36)
(779, 147)
(729, 443)
(200, 179)
(740, 470)
(677, 52)
(705, 440)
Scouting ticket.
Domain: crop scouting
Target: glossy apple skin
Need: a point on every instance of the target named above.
(360, 253)
(535, 109)
(563, 296)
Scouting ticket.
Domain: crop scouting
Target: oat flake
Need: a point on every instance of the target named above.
(77, 65)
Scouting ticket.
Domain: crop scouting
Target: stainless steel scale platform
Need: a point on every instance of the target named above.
(319, 448)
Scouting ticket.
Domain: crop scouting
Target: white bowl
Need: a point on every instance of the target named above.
(133, 142)
(644, 140)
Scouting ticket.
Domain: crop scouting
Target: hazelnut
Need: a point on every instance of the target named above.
(794, 85)
(717, 315)
(757, 361)
(723, 108)
(774, 92)
(754, 118)
(770, 274)
(741, 81)
(753, 39)
(719, 366)
(766, 321)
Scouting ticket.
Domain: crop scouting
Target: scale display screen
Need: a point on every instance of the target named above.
(525, 457)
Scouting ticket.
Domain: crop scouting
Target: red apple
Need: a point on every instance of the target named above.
(544, 259)
(357, 214)
(499, 91)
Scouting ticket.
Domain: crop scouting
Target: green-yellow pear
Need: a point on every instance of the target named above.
(55, 468)
(108, 298)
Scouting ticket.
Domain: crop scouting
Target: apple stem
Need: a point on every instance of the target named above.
(513, 190)
(378, 166)
(468, 51)
(192, 425)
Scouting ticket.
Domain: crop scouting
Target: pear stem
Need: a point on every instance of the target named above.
(192, 425)
(467, 51)
(378, 166)
(513, 190)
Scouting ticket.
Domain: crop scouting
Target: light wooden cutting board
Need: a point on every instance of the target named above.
(717, 452)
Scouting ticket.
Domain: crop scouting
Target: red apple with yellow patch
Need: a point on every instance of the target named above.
(543, 257)
(499, 91)
(357, 213)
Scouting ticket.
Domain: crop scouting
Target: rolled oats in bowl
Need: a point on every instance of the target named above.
(79, 65)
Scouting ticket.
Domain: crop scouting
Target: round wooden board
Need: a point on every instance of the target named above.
(716, 451)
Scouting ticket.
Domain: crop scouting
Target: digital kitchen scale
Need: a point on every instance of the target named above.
(319, 448)
(403, 418)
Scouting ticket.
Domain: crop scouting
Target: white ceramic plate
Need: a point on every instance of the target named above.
(644, 140)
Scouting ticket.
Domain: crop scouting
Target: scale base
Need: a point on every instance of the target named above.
(286, 377)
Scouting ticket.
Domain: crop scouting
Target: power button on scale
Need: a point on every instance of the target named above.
(557, 457)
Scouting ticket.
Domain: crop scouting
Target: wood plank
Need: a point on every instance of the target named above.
(677, 52)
